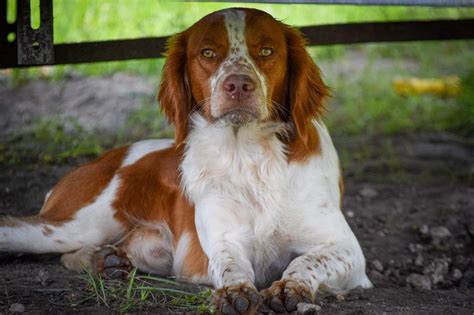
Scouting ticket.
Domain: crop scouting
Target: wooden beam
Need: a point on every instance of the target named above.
(378, 32)
(350, 33)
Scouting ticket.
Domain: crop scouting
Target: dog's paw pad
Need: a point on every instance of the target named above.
(284, 296)
(112, 264)
(237, 299)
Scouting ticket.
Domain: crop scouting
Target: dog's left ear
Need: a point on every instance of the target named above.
(174, 93)
(306, 95)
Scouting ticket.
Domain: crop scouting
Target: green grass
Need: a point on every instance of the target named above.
(367, 103)
(143, 292)
(52, 140)
(58, 140)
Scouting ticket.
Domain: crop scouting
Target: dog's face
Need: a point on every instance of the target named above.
(237, 66)
(236, 59)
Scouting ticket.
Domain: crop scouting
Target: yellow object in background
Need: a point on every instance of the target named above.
(449, 86)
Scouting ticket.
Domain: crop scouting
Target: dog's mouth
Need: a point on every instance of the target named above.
(238, 117)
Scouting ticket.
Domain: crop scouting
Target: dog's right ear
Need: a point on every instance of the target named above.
(174, 94)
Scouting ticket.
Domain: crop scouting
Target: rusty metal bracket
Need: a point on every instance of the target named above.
(34, 46)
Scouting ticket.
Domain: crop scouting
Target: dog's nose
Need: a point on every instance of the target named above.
(239, 86)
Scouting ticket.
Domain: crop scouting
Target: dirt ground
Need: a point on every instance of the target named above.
(410, 204)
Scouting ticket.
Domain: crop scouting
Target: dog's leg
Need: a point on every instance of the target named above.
(147, 248)
(227, 246)
(233, 275)
(79, 260)
(332, 268)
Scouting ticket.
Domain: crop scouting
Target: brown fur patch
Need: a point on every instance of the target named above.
(150, 192)
(80, 187)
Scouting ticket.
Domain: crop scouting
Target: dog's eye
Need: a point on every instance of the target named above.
(265, 52)
(208, 53)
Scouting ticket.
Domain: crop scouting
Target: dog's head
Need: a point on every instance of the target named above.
(241, 65)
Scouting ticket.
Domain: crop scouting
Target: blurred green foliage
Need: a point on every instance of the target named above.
(92, 20)
(363, 100)
(50, 141)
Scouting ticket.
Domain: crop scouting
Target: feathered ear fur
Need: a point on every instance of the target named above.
(174, 93)
(306, 95)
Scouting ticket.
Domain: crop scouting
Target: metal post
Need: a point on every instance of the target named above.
(35, 47)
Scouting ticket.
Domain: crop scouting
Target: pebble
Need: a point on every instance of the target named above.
(419, 260)
(436, 270)
(418, 281)
(16, 308)
(376, 275)
(439, 232)
(377, 265)
(307, 308)
(424, 229)
(457, 274)
(415, 248)
(368, 192)
(42, 277)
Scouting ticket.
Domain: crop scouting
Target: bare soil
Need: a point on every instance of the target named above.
(409, 199)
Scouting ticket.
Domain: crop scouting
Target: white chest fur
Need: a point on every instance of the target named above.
(247, 195)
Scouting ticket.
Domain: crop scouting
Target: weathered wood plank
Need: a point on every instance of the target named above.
(351, 33)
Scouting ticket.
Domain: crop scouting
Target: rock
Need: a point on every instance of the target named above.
(16, 308)
(415, 248)
(424, 229)
(375, 274)
(437, 269)
(457, 274)
(440, 232)
(42, 277)
(419, 282)
(377, 265)
(419, 260)
(307, 308)
(368, 192)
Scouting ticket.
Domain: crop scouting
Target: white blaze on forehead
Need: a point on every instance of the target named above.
(235, 24)
(238, 55)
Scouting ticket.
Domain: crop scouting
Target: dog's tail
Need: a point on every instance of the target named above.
(38, 235)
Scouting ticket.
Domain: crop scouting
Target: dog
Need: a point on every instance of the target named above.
(246, 197)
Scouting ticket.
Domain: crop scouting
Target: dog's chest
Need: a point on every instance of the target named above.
(250, 177)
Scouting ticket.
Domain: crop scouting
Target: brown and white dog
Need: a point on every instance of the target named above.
(249, 192)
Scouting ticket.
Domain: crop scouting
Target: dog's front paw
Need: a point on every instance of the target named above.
(237, 299)
(111, 263)
(283, 296)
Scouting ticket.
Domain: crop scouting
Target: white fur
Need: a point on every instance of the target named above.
(180, 253)
(255, 211)
(142, 148)
(92, 225)
(150, 248)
